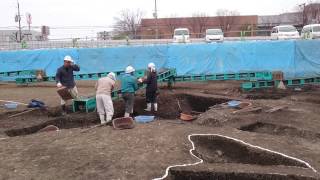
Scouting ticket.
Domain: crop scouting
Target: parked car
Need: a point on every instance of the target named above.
(285, 32)
(311, 31)
(181, 35)
(214, 35)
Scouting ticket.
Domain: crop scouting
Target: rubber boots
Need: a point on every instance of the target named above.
(109, 119)
(126, 114)
(148, 107)
(63, 109)
(155, 106)
(102, 119)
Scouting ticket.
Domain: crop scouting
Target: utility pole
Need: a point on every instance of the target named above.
(29, 21)
(155, 15)
(19, 20)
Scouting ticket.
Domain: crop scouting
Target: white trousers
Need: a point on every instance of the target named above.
(74, 94)
(104, 106)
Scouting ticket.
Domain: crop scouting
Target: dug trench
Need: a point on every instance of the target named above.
(281, 130)
(273, 93)
(229, 159)
(170, 107)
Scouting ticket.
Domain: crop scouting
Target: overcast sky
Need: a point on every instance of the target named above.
(60, 13)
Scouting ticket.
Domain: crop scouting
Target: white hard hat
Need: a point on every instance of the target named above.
(68, 58)
(151, 65)
(112, 76)
(129, 69)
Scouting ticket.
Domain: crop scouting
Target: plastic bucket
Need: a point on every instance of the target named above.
(123, 123)
(187, 117)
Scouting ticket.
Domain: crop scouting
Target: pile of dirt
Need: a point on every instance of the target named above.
(215, 117)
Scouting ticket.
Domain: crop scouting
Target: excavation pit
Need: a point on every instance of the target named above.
(170, 107)
(201, 103)
(42, 120)
(217, 149)
(280, 130)
(239, 172)
(226, 158)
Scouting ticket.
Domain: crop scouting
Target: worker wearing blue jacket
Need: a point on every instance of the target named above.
(65, 79)
(129, 86)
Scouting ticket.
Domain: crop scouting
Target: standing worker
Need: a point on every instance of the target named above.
(128, 87)
(152, 87)
(104, 87)
(64, 78)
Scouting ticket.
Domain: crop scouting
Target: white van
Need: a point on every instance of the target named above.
(285, 32)
(311, 31)
(181, 35)
(214, 35)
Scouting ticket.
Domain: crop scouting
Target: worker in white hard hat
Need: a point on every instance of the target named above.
(104, 87)
(152, 87)
(64, 78)
(129, 86)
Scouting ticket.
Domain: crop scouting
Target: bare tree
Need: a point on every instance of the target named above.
(193, 24)
(128, 22)
(302, 9)
(310, 12)
(226, 18)
(172, 23)
(201, 19)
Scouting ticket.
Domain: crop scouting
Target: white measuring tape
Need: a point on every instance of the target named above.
(234, 139)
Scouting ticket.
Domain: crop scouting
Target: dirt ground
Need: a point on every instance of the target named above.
(284, 121)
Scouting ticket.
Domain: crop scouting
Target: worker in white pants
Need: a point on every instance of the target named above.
(104, 87)
(104, 108)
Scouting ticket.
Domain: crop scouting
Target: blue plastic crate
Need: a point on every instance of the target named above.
(11, 105)
(144, 119)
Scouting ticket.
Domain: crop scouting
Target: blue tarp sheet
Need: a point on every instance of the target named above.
(295, 58)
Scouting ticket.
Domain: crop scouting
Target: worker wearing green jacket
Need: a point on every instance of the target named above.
(129, 86)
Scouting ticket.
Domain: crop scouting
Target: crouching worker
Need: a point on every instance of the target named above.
(152, 87)
(104, 87)
(128, 88)
(64, 78)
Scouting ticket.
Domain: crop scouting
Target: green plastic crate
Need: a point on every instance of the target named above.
(86, 104)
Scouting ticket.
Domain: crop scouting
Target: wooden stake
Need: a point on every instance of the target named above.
(24, 112)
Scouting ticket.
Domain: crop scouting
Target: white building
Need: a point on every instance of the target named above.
(13, 35)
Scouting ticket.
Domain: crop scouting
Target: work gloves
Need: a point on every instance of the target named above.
(59, 85)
